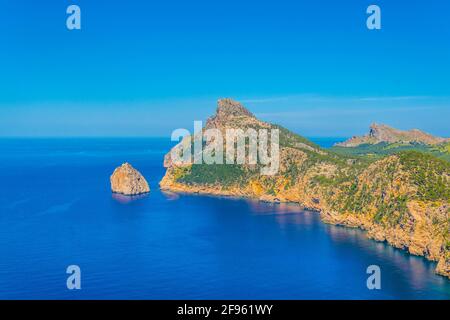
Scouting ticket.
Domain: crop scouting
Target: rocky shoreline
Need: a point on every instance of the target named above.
(397, 238)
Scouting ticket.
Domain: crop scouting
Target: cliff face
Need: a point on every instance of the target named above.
(402, 199)
(383, 133)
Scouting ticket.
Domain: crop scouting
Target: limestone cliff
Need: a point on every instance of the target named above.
(128, 181)
(402, 198)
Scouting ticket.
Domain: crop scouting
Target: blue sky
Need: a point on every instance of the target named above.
(144, 68)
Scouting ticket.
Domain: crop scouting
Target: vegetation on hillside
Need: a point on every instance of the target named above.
(212, 174)
(430, 175)
(382, 149)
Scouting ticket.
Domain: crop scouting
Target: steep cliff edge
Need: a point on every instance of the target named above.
(402, 198)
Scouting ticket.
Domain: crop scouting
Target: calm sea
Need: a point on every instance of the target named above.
(56, 210)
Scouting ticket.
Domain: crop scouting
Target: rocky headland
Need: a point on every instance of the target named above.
(402, 198)
(382, 133)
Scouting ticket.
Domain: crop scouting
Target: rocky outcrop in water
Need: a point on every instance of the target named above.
(128, 181)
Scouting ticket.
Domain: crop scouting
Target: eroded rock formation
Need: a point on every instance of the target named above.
(128, 181)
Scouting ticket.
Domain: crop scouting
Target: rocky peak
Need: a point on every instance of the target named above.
(228, 111)
(382, 132)
(230, 108)
(375, 128)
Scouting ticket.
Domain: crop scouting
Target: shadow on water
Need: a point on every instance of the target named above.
(124, 199)
(401, 268)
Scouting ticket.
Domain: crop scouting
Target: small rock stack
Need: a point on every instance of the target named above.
(128, 181)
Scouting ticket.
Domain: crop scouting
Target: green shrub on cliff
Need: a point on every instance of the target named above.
(429, 174)
(210, 174)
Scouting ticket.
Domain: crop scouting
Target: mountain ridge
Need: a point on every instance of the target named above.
(383, 133)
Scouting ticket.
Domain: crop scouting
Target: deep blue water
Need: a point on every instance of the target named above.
(56, 209)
